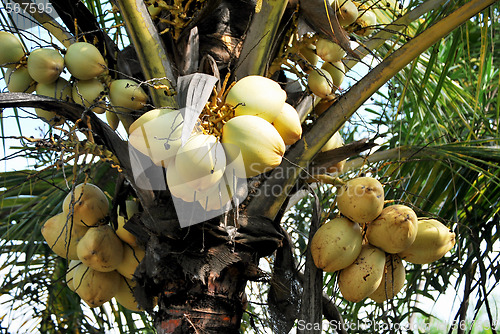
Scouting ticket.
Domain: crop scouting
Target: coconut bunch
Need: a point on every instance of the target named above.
(356, 17)
(369, 243)
(238, 137)
(102, 260)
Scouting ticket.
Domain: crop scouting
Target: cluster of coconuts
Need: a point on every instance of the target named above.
(40, 71)
(102, 259)
(369, 242)
(252, 140)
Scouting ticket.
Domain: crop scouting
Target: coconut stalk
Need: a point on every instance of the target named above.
(150, 50)
(256, 49)
(335, 116)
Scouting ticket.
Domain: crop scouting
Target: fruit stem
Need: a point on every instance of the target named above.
(328, 179)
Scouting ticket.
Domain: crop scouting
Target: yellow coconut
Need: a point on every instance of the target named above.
(178, 187)
(258, 96)
(347, 13)
(91, 94)
(84, 61)
(59, 89)
(329, 51)
(393, 279)
(394, 230)
(218, 196)
(363, 277)
(201, 161)
(157, 134)
(100, 248)
(334, 142)
(125, 295)
(73, 264)
(87, 205)
(336, 71)
(361, 199)
(45, 65)
(95, 287)
(126, 95)
(62, 236)
(336, 244)
(288, 124)
(320, 83)
(11, 49)
(132, 256)
(132, 207)
(19, 80)
(366, 22)
(112, 119)
(432, 242)
(308, 53)
(256, 141)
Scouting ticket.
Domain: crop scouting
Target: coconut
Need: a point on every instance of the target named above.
(288, 124)
(19, 80)
(201, 161)
(221, 193)
(336, 244)
(132, 207)
(73, 264)
(367, 21)
(393, 279)
(329, 51)
(112, 119)
(62, 236)
(363, 277)
(361, 199)
(177, 186)
(11, 49)
(394, 230)
(334, 142)
(87, 205)
(258, 96)
(45, 65)
(347, 13)
(254, 140)
(60, 89)
(125, 295)
(127, 95)
(84, 61)
(90, 93)
(337, 72)
(308, 53)
(157, 134)
(132, 256)
(100, 248)
(95, 287)
(432, 242)
(320, 83)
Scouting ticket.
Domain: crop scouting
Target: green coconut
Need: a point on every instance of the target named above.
(320, 83)
(329, 51)
(91, 94)
(394, 230)
(95, 287)
(201, 161)
(112, 119)
(127, 95)
(361, 199)
(347, 13)
(157, 134)
(258, 96)
(366, 22)
(255, 141)
(19, 80)
(84, 61)
(336, 244)
(45, 65)
(432, 242)
(11, 50)
(308, 53)
(60, 89)
(337, 72)
(364, 275)
(288, 124)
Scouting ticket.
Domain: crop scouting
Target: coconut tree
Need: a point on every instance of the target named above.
(423, 119)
